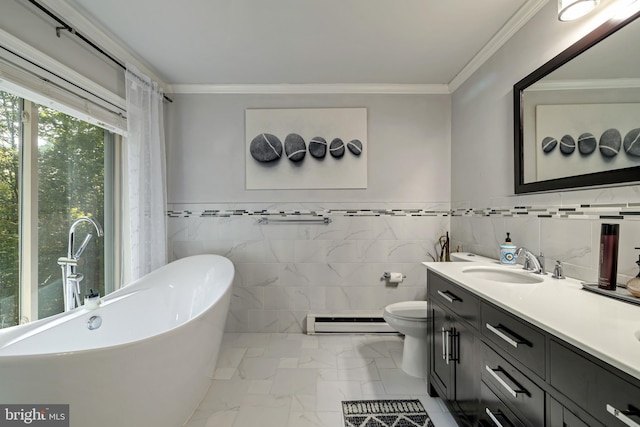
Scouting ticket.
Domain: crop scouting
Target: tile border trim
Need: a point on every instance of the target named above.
(609, 211)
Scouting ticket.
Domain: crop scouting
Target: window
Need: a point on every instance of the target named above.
(55, 168)
(9, 205)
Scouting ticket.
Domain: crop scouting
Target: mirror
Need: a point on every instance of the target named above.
(577, 117)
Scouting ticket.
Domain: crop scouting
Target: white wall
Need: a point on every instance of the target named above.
(408, 143)
(482, 165)
(285, 271)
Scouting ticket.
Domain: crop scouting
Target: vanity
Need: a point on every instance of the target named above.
(512, 348)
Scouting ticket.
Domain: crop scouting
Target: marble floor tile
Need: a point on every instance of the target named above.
(396, 381)
(258, 368)
(331, 393)
(372, 388)
(288, 362)
(303, 403)
(315, 419)
(260, 386)
(353, 369)
(224, 395)
(282, 347)
(230, 357)
(257, 416)
(297, 380)
(321, 358)
(221, 419)
(224, 373)
(386, 363)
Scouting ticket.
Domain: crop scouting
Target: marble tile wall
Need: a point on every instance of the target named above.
(563, 226)
(286, 270)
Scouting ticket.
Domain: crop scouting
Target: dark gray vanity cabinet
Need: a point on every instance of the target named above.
(495, 369)
(493, 412)
(559, 416)
(453, 369)
(609, 395)
(513, 359)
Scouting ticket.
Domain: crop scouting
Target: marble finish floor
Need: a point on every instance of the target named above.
(297, 380)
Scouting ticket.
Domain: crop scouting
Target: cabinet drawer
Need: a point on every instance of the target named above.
(607, 397)
(462, 302)
(515, 337)
(494, 413)
(559, 416)
(517, 391)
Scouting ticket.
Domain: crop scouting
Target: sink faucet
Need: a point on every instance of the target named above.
(70, 278)
(531, 262)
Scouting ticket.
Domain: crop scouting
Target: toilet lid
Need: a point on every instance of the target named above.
(408, 309)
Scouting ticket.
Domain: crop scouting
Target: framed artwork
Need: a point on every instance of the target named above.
(306, 148)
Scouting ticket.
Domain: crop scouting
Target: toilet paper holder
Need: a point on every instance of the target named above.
(387, 276)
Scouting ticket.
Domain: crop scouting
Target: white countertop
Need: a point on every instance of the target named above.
(604, 327)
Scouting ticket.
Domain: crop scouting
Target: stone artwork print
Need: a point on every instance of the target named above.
(277, 142)
(607, 137)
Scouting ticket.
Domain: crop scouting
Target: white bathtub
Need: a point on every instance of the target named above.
(148, 364)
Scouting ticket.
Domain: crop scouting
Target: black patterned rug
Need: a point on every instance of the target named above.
(385, 413)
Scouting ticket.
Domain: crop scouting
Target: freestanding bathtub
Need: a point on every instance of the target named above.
(148, 364)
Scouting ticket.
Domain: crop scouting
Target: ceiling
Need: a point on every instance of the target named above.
(223, 42)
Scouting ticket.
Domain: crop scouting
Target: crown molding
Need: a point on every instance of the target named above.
(292, 89)
(88, 29)
(517, 21)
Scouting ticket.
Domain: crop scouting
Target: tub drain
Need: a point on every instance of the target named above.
(94, 322)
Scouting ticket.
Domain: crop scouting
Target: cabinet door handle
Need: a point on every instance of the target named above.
(447, 336)
(494, 418)
(444, 343)
(451, 298)
(506, 335)
(513, 391)
(622, 415)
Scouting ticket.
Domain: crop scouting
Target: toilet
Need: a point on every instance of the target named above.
(410, 318)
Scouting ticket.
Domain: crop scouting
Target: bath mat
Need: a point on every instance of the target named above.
(385, 413)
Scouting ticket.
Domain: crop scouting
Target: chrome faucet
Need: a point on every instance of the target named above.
(531, 262)
(557, 271)
(70, 278)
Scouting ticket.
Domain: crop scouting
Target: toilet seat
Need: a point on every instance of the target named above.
(409, 310)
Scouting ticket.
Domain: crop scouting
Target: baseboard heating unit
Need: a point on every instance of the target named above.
(363, 323)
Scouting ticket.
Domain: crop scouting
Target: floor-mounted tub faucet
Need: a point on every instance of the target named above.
(70, 278)
(531, 262)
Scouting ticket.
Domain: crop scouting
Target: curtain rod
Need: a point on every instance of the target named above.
(67, 27)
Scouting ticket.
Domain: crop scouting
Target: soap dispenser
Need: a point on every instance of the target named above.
(508, 251)
(633, 285)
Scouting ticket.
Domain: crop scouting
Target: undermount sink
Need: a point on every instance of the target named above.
(503, 275)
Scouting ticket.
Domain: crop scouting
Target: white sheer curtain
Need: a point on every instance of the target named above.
(145, 201)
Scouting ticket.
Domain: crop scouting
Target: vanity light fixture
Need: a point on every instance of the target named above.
(568, 10)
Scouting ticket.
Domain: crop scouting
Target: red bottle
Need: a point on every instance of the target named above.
(608, 266)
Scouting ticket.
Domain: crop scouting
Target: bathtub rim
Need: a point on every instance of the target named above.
(20, 330)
